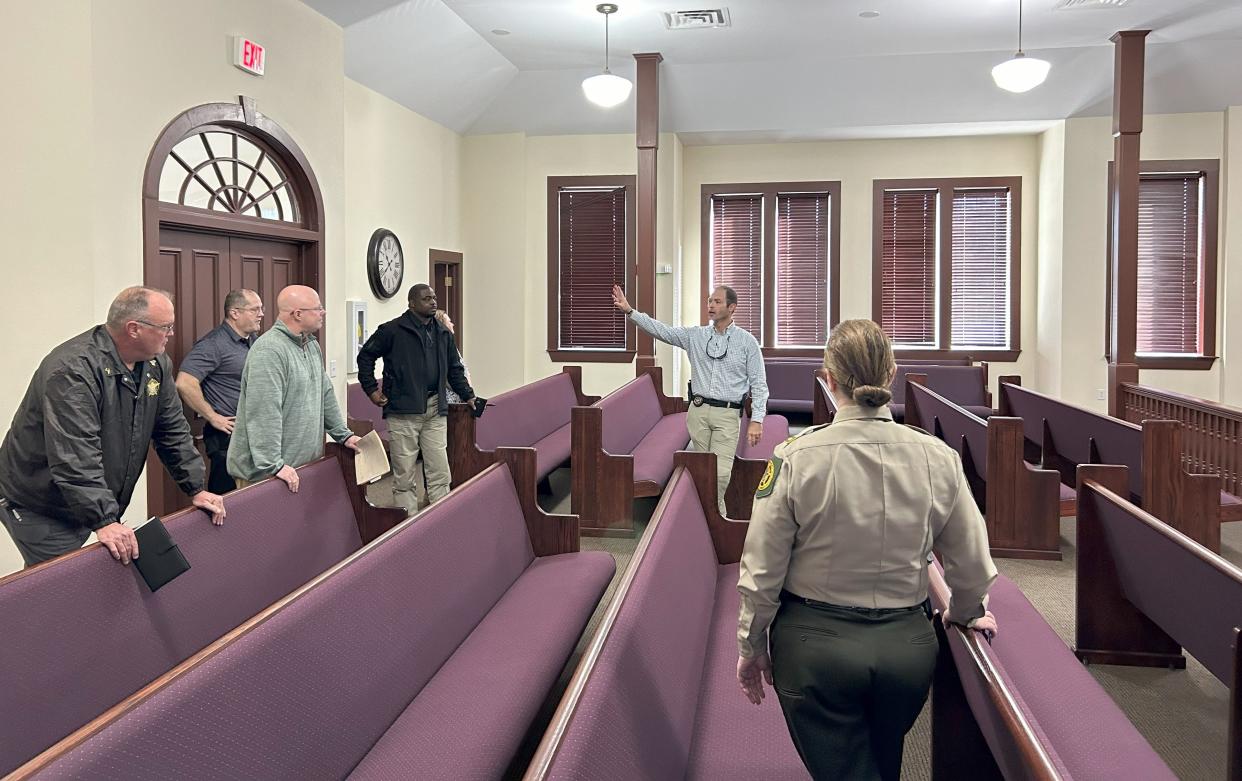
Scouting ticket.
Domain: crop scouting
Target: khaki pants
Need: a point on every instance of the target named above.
(715, 430)
(408, 436)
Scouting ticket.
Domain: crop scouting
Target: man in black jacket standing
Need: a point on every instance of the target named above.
(420, 363)
(79, 440)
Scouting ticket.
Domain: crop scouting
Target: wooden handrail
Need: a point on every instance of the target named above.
(1034, 757)
(1212, 432)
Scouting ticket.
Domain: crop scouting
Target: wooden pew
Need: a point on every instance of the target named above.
(669, 640)
(362, 415)
(1062, 436)
(533, 415)
(825, 406)
(623, 446)
(1022, 707)
(372, 669)
(1146, 590)
(1020, 503)
(65, 618)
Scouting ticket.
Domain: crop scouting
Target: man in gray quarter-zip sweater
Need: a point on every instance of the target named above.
(287, 402)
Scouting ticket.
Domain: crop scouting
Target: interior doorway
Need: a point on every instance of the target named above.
(447, 282)
(229, 202)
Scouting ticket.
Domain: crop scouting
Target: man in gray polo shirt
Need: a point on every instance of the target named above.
(210, 379)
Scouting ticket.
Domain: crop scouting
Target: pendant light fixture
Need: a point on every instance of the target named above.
(606, 89)
(1020, 73)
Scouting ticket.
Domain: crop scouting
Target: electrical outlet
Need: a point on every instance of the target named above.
(1099, 394)
(332, 370)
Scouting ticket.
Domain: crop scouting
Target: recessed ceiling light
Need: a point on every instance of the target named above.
(869, 14)
(499, 31)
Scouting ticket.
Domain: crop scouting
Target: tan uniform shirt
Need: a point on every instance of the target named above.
(849, 518)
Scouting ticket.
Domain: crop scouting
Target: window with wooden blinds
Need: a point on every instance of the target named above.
(1169, 264)
(908, 267)
(590, 249)
(1175, 320)
(803, 284)
(737, 255)
(946, 266)
(980, 303)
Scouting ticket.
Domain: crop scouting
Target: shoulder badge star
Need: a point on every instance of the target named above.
(153, 387)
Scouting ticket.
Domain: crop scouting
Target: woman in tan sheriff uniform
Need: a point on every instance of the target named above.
(836, 562)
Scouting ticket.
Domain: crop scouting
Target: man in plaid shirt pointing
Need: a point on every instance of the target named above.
(725, 365)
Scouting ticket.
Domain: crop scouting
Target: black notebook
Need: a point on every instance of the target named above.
(159, 559)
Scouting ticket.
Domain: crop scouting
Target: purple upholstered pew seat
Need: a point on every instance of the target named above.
(359, 407)
(62, 620)
(425, 655)
(965, 386)
(634, 423)
(661, 700)
(533, 415)
(1081, 729)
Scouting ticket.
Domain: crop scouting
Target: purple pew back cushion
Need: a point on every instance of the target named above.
(1090, 734)
(636, 716)
(359, 406)
(61, 621)
(490, 690)
(734, 740)
(629, 413)
(775, 431)
(653, 457)
(523, 416)
(307, 693)
(962, 385)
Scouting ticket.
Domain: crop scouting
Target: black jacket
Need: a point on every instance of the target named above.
(405, 385)
(80, 437)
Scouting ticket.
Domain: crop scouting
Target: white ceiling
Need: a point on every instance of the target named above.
(786, 69)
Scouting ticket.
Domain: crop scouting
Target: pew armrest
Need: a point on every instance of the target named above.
(465, 458)
(575, 379)
(602, 482)
(373, 520)
(728, 536)
(549, 534)
(669, 405)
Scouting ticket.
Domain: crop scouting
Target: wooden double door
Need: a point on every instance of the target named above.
(199, 269)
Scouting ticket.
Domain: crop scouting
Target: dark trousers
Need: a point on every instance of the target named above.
(216, 442)
(851, 683)
(38, 537)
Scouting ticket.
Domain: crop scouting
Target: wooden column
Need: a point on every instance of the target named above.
(647, 132)
(1123, 222)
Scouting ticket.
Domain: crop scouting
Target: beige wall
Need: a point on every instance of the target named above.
(403, 173)
(123, 70)
(855, 164)
(1088, 147)
(505, 181)
(1050, 243)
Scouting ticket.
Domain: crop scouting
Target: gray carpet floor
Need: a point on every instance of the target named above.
(1182, 713)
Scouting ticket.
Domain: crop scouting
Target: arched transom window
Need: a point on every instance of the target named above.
(225, 171)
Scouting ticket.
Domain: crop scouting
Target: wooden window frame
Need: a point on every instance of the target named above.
(944, 304)
(555, 183)
(770, 191)
(1210, 206)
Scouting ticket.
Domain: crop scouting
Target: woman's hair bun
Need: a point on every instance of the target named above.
(872, 395)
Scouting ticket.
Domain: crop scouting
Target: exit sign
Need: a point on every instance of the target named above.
(249, 56)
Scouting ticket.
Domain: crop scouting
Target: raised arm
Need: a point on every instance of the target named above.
(677, 336)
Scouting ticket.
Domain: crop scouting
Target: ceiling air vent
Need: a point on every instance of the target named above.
(1069, 5)
(695, 20)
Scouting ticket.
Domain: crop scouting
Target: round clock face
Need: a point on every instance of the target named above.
(385, 263)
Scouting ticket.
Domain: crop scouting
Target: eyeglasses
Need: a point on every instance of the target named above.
(167, 329)
(715, 339)
(311, 309)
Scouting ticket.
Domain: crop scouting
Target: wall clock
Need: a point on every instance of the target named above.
(385, 263)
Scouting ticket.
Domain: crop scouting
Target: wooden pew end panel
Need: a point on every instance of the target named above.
(1110, 630)
(373, 520)
(465, 458)
(550, 534)
(602, 493)
(728, 536)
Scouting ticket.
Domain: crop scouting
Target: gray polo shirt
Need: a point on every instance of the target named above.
(216, 361)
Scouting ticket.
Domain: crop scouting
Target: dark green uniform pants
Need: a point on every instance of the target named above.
(851, 682)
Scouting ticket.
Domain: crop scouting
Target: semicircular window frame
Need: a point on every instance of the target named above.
(224, 170)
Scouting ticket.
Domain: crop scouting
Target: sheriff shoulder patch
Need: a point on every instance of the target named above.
(768, 482)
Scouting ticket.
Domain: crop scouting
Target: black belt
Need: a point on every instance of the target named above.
(789, 596)
(699, 401)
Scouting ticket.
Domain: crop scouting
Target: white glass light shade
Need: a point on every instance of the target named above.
(607, 89)
(1021, 73)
